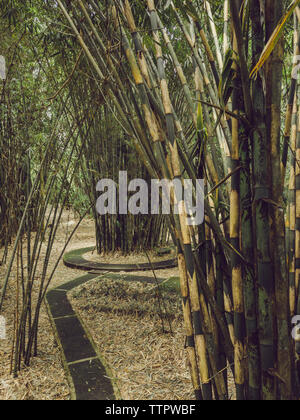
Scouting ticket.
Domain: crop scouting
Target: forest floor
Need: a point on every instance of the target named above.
(138, 329)
(147, 363)
(45, 378)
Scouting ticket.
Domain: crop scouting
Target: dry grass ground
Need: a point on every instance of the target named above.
(45, 378)
(147, 363)
(125, 322)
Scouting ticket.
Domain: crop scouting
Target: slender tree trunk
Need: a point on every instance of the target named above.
(274, 11)
(262, 193)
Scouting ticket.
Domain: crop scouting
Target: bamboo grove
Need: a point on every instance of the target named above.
(214, 111)
(197, 88)
(49, 163)
(34, 192)
(106, 152)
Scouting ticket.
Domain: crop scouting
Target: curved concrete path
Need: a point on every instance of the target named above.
(87, 376)
(75, 259)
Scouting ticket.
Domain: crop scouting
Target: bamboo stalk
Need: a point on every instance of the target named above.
(237, 284)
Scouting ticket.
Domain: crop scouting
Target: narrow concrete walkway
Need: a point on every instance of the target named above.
(88, 378)
(86, 374)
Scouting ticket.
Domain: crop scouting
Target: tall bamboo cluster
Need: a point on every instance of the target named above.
(37, 174)
(15, 176)
(106, 153)
(239, 281)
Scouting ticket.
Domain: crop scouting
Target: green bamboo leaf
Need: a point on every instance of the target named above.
(179, 5)
(191, 10)
(275, 37)
(167, 5)
(225, 84)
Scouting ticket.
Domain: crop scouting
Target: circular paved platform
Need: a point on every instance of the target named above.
(75, 259)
